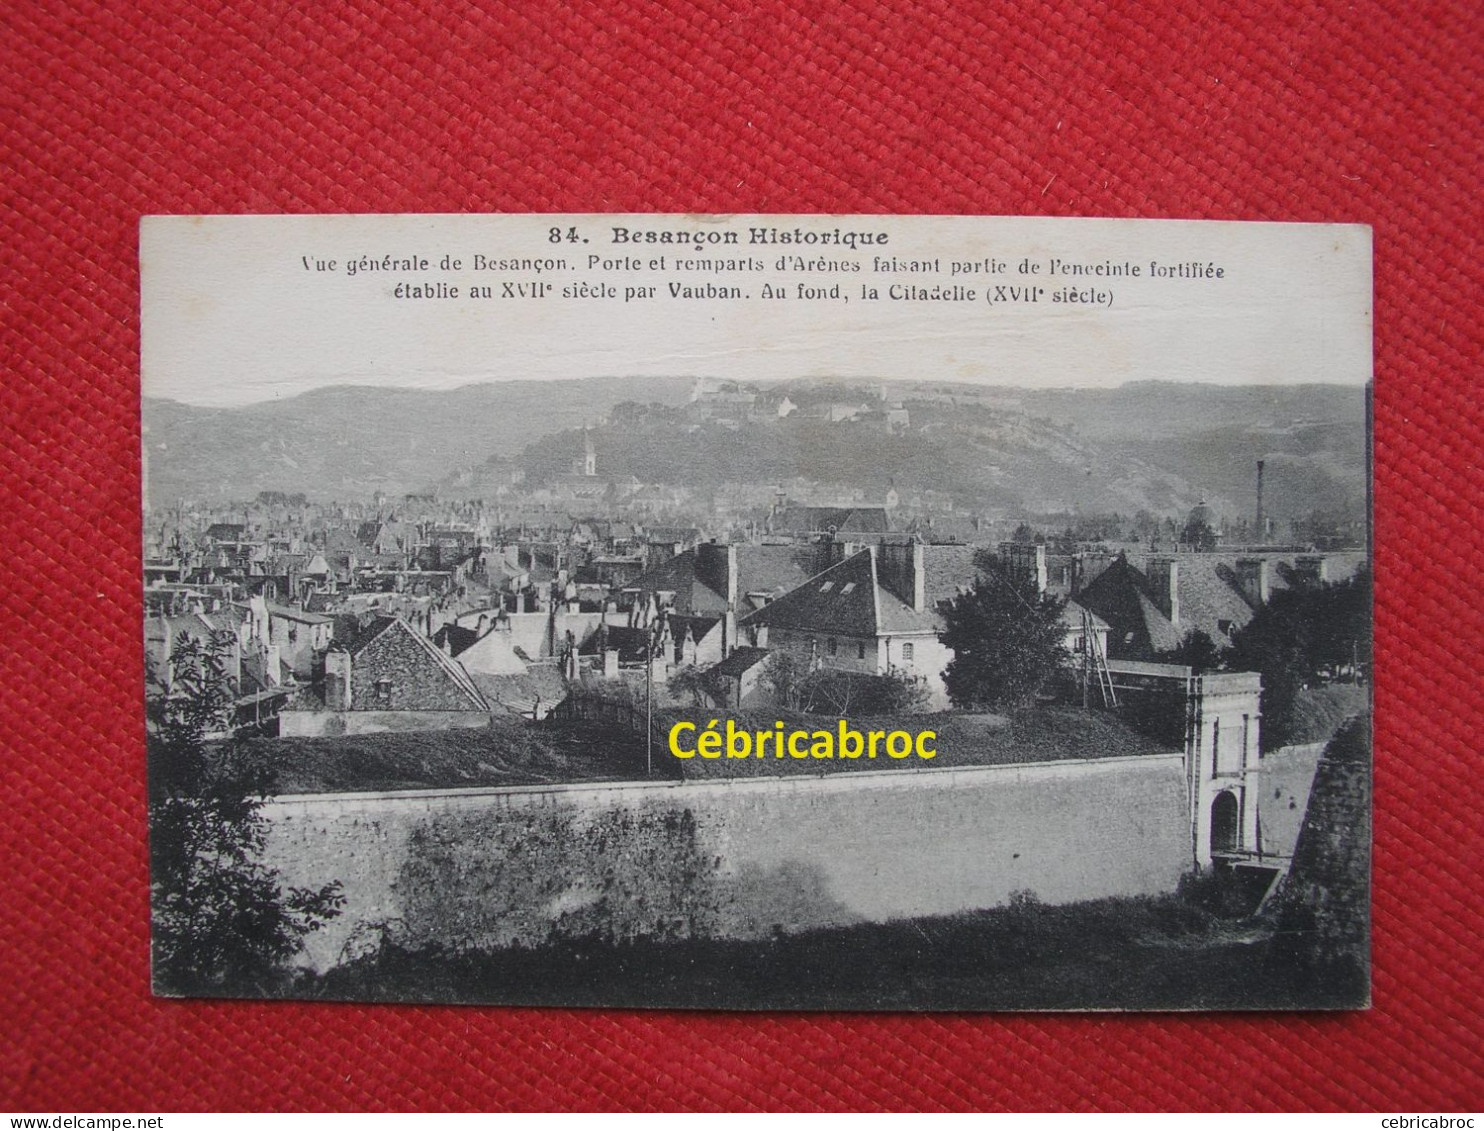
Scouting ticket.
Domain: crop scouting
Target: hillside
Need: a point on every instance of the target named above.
(347, 442)
(1105, 451)
(1156, 447)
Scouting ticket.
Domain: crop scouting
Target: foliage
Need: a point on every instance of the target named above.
(539, 876)
(221, 918)
(1302, 636)
(1198, 651)
(1198, 534)
(841, 693)
(786, 677)
(690, 683)
(1007, 639)
(844, 693)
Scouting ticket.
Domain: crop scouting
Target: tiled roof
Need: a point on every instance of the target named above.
(516, 694)
(948, 529)
(678, 576)
(455, 671)
(847, 599)
(632, 644)
(1210, 598)
(946, 570)
(288, 612)
(698, 626)
(740, 661)
(841, 599)
(898, 616)
(845, 520)
(664, 534)
(1120, 595)
(1072, 614)
(456, 637)
(774, 569)
(1209, 595)
(369, 632)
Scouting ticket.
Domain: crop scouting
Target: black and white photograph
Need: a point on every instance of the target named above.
(758, 612)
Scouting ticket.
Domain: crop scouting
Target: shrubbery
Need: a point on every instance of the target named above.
(222, 921)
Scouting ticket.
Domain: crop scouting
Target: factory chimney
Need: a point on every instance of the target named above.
(1262, 532)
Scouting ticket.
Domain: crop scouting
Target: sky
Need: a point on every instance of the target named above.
(237, 310)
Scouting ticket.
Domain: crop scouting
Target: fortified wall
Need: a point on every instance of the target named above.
(736, 859)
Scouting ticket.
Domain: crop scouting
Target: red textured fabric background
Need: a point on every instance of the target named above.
(1362, 112)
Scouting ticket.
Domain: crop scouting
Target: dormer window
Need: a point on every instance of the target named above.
(827, 586)
(847, 587)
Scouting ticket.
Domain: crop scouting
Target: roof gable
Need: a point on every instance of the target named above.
(376, 638)
(842, 599)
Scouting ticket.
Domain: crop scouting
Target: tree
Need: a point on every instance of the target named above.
(690, 682)
(1007, 639)
(222, 921)
(787, 677)
(1302, 636)
(837, 692)
(1199, 534)
(1198, 651)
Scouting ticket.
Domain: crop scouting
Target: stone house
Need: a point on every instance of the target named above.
(1152, 602)
(388, 677)
(867, 613)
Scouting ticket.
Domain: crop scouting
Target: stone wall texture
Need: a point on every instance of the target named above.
(735, 859)
(418, 681)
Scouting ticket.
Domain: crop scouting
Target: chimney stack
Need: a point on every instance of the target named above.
(337, 680)
(716, 567)
(1311, 569)
(1252, 577)
(1026, 561)
(1262, 533)
(1164, 578)
(903, 572)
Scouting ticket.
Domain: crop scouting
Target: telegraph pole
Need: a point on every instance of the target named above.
(656, 630)
(649, 709)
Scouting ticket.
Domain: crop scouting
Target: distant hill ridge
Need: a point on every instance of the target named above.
(1155, 445)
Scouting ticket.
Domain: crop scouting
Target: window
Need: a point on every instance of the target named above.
(860, 651)
(906, 653)
(827, 586)
(834, 646)
(383, 691)
(847, 587)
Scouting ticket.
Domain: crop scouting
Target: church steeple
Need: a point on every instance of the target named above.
(586, 465)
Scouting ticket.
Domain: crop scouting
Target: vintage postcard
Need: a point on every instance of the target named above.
(759, 612)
